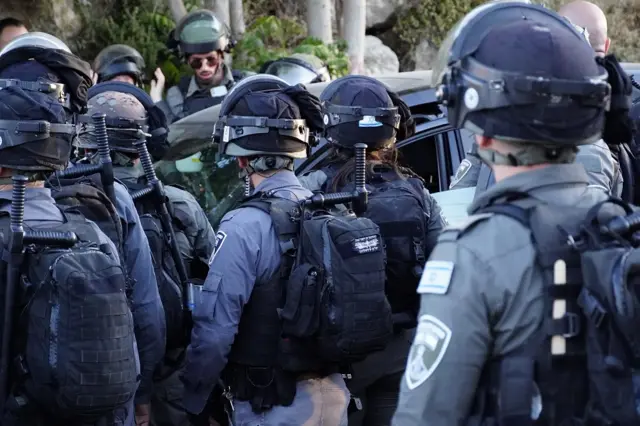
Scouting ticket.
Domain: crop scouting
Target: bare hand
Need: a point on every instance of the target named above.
(94, 77)
(157, 86)
(143, 414)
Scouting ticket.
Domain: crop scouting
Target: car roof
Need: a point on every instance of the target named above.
(198, 127)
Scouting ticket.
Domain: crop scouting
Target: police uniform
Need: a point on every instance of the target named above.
(236, 338)
(147, 309)
(198, 32)
(493, 301)
(188, 97)
(601, 167)
(50, 151)
(196, 241)
(482, 298)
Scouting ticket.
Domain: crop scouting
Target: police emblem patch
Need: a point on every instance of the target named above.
(462, 171)
(220, 238)
(429, 346)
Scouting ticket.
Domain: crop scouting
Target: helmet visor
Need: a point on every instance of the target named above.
(291, 73)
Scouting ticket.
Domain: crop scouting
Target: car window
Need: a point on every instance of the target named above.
(214, 182)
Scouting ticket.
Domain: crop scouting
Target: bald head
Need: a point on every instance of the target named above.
(591, 17)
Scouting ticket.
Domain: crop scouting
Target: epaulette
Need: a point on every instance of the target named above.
(453, 232)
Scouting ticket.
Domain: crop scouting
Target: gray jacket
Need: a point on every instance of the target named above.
(481, 297)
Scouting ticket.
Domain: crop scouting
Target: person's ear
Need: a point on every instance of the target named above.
(243, 162)
(607, 45)
(483, 141)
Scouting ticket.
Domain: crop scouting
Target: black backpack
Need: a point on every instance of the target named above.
(397, 206)
(584, 357)
(334, 274)
(166, 273)
(75, 349)
(86, 196)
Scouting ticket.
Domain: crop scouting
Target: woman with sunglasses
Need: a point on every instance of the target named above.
(201, 40)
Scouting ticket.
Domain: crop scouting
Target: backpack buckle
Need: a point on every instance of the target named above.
(571, 325)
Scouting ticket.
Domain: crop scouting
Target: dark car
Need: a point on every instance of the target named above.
(434, 152)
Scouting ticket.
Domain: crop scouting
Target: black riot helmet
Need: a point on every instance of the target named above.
(200, 32)
(263, 116)
(362, 109)
(298, 68)
(521, 73)
(119, 59)
(47, 87)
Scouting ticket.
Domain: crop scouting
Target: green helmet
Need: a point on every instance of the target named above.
(119, 59)
(201, 32)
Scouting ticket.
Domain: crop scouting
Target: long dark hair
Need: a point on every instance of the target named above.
(343, 158)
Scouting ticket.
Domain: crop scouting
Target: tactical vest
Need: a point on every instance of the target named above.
(587, 385)
(199, 100)
(263, 367)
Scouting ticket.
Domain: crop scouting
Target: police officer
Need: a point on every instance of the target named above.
(347, 103)
(48, 84)
(202, 41)
(482, 288)
(119, 62)
(298, 68)
(194, 234)
(245, 265)
(599, 162)
(147, 306)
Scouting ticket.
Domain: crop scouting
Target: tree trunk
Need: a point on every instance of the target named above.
(221, 9)
(177, 9)
(355, 18)
(338, 7)
(236, 15)
(319, 20)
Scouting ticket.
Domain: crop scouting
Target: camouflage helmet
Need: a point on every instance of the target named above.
(119, 59)
(126, 120)
(201, 32)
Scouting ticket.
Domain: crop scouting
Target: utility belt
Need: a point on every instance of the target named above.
(22, 411)
(266, 387)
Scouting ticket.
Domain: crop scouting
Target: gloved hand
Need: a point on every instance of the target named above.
(618, 126)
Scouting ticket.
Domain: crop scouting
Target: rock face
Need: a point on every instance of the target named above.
(424, 55)
(379, 11)
(379, 58)
(58, 17)
(65, 17)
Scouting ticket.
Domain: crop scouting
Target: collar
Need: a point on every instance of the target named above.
(281, 180)
(128, 173)
(42, 207)
(226, 79)
(537, 182)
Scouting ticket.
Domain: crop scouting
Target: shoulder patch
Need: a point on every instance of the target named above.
(436, 277)
(462, 171)
(220, 239)
(429, 347)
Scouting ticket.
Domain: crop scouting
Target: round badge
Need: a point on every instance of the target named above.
(325, 119)
(471, 98)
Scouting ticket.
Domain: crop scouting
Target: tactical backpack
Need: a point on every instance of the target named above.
(581, 366)
(165, 270)
(333, 274)
(75, 352)
(86, 196)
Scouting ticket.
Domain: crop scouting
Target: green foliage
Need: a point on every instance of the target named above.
(269, 38)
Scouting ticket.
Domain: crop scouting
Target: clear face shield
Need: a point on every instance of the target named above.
(291, 73)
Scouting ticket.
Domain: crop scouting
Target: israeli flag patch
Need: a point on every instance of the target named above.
(369, 121)
(436, 277)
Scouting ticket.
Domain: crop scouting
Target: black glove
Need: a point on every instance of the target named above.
(618, 127)
(201, 419)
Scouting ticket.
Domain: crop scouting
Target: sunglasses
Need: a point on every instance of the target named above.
(196, 63)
